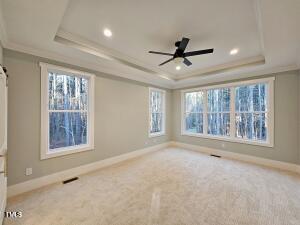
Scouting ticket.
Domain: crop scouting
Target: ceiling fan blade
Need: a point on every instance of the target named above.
(169, 60)
(184, 42)
(160, 53)
(200, 52)
(187, 62)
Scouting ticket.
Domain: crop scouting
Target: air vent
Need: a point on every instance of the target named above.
(217, 156)
(70, 180)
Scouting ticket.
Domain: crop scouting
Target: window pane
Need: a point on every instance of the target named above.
(218, 100)
(67, 129)
(251, 126)
(251, 98)
(194, 102)
(218, 124)
(156, 122)
(156, 101)
(67, 92)
(194, 122)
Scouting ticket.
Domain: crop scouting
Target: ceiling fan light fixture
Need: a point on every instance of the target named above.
(178, 61)
(178, 67)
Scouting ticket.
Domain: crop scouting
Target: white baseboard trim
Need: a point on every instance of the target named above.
(33, 184)
(242, 157)
(30, 185)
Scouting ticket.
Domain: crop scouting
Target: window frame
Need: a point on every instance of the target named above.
(270, 107)
(44, 149)
(163, 132)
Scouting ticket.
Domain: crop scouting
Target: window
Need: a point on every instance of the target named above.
(67, 111)
(238, 112)
(218, 111)
(194, 112)
(157, 112)
(251, 112)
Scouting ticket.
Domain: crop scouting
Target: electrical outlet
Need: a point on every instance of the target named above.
(28, 171)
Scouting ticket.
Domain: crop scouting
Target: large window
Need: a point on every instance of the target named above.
(193, 114)
(67, 111)
(218, 111)
(251, 112)
(157, 112)
(238, 112)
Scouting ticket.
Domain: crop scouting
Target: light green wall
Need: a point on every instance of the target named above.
(121, 120)
(1, 54)
(287, 116)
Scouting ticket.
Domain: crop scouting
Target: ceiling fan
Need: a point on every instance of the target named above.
(180, 55)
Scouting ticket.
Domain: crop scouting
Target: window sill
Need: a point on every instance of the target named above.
(157, 134)
(65, 151)
(235, 140)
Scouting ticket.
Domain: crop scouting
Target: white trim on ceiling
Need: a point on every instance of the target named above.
(227, 67)
(82, 44)
(85, 64)
(212, 78)
(199, 77)
(215, 78)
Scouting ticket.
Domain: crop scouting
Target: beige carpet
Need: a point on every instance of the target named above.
(172, 186)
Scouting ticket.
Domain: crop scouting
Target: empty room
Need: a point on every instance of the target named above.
(162, 112)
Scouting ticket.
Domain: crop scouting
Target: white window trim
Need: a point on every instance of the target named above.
(163, 132)
(45, 154)
(232, 138)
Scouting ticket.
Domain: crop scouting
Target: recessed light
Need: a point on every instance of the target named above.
(178, 67)
(234, 51)
(107, 32)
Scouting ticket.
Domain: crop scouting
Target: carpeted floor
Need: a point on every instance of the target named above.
(172, 186)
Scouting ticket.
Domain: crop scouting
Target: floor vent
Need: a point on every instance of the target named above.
(217, 156)
(70, 180)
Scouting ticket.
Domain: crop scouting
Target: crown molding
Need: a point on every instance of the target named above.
(222, 77)
(85, 64)
(227, 67)
(82, 44)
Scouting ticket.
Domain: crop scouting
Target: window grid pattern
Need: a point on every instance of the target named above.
(251, 112)
(194, 111)
(157, 99)
(218, 112)
(67, 111)
(237, 112)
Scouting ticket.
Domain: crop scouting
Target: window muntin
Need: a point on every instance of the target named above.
(193, 115)
(251, 112)
(157, 114)
(67, 111)
(238, 112)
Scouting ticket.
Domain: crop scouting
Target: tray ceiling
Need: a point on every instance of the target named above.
(265, 32)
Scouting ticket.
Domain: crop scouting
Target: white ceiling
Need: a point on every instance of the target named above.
(265, 31)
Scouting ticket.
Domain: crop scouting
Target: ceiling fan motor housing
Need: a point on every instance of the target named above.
(177, 43)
